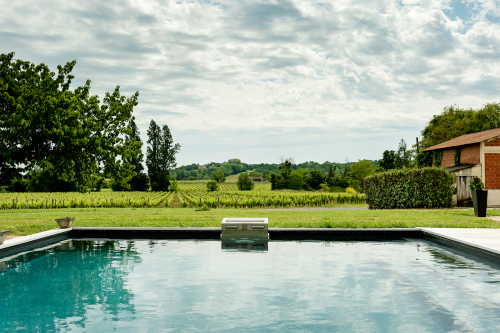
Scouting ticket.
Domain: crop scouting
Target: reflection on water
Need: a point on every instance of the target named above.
(64, 281)
(231, 243)
(451, 261)
(148, 286)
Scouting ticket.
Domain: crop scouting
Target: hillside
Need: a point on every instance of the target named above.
(234, 166)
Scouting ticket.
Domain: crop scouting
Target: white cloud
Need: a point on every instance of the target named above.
(375, 70)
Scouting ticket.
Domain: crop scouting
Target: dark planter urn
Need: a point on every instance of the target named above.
(480, 200)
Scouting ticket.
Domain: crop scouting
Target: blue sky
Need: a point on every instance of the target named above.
(256, 80)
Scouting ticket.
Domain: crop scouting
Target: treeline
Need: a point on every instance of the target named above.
(335, 180)
(263, 170)
(328, 176)
(55, 139)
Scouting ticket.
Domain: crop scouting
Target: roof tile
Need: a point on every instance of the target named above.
(467, 139)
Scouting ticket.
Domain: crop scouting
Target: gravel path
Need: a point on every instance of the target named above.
(310, 209)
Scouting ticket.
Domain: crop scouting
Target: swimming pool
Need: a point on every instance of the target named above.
(409, 285)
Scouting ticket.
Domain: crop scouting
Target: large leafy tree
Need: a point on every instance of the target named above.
(160, 158)
(454, 122)
(44, 124)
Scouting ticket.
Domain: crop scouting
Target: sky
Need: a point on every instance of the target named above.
(259, 80)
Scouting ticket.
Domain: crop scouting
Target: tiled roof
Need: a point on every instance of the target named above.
(467, 139)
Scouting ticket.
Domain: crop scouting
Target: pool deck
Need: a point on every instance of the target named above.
(486, 239)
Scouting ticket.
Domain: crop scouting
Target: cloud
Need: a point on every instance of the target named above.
(276, 69)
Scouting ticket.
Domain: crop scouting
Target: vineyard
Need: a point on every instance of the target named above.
(190, 195)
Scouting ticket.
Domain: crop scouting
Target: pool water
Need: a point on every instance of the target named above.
(177, 286)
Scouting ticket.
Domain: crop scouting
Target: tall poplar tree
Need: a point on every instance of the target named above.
(160, 158)
(167, 157)
(140, 181)
(153, 154)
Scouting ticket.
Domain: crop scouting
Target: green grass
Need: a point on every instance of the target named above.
(29, 221)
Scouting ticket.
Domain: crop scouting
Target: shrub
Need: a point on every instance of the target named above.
(326, 188)
(212, 186)
(174, 186)
(350, 190)
(244, 182)
(410, 188)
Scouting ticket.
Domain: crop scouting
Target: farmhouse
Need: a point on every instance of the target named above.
(256, 179)
(472, 155)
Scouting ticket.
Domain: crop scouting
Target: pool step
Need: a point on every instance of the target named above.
(244, 227)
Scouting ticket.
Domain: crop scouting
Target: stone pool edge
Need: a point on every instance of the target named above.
(460, 244)
(27, 243)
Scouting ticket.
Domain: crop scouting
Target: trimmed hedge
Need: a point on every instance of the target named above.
(410, 188)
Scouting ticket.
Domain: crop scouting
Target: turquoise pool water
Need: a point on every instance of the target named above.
(178, 286)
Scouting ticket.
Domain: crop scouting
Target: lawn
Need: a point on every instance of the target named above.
(29, 221)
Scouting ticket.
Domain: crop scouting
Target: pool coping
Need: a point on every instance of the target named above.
(461, 244)
(27, 243)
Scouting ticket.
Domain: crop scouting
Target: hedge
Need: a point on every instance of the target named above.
(410, 188)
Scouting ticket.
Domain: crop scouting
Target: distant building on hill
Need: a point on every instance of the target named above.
(478, 155)
(256, 179)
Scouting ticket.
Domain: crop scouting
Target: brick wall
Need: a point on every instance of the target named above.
(448, 156)
(495, 142)
(470, 154)
(492, 171)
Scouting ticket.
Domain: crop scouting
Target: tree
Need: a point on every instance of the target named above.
(153, 155)
(139, 181)
(454, 122)
(423, 159)
(403, 156)
(315, 179)
(65, 133)
(330, 176)
(286, 167)
(222, 178)
(174, 186)
(387, 161)
(218, 176)
(160, 158)
(167, 162)
(244, 182)
(212, 186)
(296, 180)
(359, 171)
